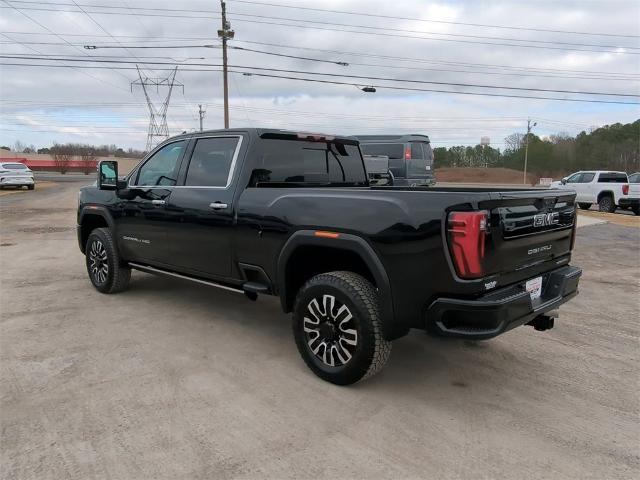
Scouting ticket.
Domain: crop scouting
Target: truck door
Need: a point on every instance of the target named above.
(141, 228)
(588, 191)
(202, 211)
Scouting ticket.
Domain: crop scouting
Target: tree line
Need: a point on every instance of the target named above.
(612, 147)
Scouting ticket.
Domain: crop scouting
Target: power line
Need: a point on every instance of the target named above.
(64, 40)
(483, 25)
(360, 77)
(388, 87)
(342, 12)
(370, 55)
(337, 24)
(616, 48)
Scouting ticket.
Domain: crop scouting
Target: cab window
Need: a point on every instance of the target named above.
(162, 167)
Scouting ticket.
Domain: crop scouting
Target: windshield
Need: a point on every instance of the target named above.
(15, 166)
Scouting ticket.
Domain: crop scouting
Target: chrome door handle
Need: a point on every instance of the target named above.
(158, 202)
(218, 205)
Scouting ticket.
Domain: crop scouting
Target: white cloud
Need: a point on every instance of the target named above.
(44, 105)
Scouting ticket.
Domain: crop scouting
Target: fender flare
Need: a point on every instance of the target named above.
(96, 210)
(352, 243)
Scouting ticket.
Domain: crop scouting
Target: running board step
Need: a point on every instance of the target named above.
(158, 271)
(255, 287)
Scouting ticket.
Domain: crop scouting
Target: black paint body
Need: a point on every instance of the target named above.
(399, 233)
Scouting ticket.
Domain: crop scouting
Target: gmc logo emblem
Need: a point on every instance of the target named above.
(546, 219)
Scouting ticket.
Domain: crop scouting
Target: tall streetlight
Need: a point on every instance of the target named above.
(526, 148)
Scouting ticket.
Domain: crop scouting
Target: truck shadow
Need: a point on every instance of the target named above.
(417, 360)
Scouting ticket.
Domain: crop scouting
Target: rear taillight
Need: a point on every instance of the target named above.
(407, 153)
(625, 189)
(467, 238)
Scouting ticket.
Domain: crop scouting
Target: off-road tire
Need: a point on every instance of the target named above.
(362, 300)
(605, 204)
(584, 206)
(118, 273)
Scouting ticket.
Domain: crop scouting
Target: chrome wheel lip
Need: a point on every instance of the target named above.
(329, 330)
(98, 262)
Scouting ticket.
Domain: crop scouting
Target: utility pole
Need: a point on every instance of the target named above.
(225, 34)
(201, 115)
(526, 148)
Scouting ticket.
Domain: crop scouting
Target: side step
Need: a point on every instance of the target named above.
(158, 271)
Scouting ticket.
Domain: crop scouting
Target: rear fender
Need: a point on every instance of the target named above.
(350, 243)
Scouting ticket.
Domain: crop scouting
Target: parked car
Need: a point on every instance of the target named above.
(16, 174)
(605, 188)
(256, 211)
(631, 200)
(410, 157)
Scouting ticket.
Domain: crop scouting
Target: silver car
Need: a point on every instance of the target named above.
(16, 174)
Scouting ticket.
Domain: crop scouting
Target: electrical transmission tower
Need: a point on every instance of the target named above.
(158, 128)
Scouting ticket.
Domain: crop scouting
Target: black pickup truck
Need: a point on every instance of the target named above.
(289, 214)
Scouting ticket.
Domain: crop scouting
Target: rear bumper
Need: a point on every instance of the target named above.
(629, 202)
(502, 310)
(16, 181)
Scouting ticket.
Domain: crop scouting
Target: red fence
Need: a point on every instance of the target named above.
(50, 165)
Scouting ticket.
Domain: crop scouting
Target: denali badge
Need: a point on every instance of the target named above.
(545, 219)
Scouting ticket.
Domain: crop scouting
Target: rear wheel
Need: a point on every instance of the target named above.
(605, 204)
(31, 187)
(106, 271)
(636, 210)
(337, 328)
(584, 206)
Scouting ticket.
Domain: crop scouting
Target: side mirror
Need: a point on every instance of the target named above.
(108, 175)
(564, 181)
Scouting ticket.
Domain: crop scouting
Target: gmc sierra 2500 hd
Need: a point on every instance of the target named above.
(292, 214)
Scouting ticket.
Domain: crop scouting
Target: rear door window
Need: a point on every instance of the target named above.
(211, 160)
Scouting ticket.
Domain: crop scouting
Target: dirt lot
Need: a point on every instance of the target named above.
(172, 380)
(483, 175)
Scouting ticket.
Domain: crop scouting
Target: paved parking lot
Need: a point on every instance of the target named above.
(175, 380)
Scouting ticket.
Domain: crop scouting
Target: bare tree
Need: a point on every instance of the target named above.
(514, 141)
(62, 155)
(89, 157)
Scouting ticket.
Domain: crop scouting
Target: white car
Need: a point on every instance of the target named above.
(16, 174)
(606, 188)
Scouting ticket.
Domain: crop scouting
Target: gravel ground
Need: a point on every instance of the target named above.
(173, 380)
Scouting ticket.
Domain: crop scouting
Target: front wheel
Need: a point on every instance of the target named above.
(584, 206)
(106, 271)
(636, 210)
(605, 204)
(31, 187)
(337, 328)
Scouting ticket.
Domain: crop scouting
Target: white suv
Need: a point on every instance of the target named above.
(605, 188)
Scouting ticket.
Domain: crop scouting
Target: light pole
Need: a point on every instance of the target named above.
(526, 149)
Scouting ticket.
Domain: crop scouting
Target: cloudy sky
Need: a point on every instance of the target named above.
(460, 49)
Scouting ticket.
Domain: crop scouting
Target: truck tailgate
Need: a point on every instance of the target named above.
(529, 232)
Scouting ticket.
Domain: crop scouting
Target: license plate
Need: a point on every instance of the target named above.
(534, 287)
